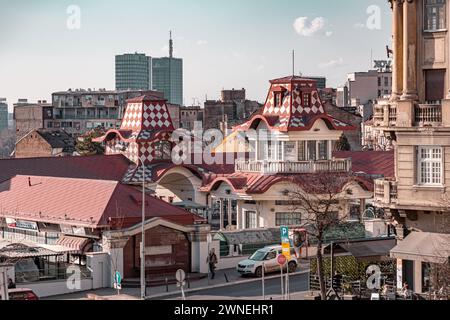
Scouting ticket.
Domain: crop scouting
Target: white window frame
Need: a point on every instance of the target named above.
(425, 18)
(421, 160)
(247, 214)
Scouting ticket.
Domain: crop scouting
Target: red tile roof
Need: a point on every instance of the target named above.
(259, 183)
(102, 167)
(370, 162)
(82, 202)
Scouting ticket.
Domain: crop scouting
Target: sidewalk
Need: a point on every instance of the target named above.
(221, 278)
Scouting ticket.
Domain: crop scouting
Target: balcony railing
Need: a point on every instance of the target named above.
(420, 115)
(385, 115)
(275, 167)
(386, 191)
(428, 114)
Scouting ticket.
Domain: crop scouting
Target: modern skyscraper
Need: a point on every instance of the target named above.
(133, 72)
(168, 76)
(3, 114)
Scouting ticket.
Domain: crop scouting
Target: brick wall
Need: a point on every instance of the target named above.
(33, 146)
(161, 264)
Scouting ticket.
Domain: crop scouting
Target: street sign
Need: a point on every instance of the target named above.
(180, 276)
(285, 242)
(118, 278)
(281, 260)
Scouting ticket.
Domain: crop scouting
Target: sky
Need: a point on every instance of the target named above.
(46, 46)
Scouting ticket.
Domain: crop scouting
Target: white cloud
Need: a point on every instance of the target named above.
(332, 63)
(308, 28)
(202, 42)
(260, 68)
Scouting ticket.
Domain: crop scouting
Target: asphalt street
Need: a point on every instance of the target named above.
(250, 290)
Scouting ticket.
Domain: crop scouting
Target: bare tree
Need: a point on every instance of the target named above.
(318, 198)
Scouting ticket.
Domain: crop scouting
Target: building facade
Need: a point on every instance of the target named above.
(416, 119)
(133, 72)
(45, 143)
(232, 109)
(168, 78)
(4, 115)
(79, 111)
(29, 117)
(189, 116)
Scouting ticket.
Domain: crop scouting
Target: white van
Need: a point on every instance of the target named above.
(267, 256)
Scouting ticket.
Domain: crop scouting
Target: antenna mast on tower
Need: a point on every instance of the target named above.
(171, 45)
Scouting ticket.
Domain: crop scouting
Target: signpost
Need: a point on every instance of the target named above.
(284, 257)
(281, 259)
(180, 275)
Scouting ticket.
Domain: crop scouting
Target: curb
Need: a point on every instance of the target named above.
(223, 285)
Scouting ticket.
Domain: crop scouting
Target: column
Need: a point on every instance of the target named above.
(418, 276)
(362, 208)
(222, 227)
(230, 214)
(397, 41)
(409, 50)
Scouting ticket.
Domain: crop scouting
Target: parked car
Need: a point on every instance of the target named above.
(267, 257)
(22, 294)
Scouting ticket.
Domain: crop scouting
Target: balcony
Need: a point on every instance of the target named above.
(386, 192)
(427, 115)
(385, 115)
(413, 115)
(276, 167)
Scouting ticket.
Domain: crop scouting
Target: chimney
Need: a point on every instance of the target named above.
(29, 181)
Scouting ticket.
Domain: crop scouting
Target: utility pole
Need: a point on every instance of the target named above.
(143, 280)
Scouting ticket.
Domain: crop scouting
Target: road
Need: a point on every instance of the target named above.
(252, 290)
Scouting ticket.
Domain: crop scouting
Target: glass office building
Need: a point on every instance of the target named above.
(3, 114)
(168, 78)
(133, 72)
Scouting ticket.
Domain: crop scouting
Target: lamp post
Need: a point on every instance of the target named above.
(143, 280)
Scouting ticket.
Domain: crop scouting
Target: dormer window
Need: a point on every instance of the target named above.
(278, 100)
(306, 100)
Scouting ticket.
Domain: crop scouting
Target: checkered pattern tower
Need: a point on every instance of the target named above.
(146, 123)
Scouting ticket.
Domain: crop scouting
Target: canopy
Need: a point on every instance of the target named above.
(424, 247)
(366, 248)
(264, 237)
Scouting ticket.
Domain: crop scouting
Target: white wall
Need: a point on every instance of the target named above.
(55, 288)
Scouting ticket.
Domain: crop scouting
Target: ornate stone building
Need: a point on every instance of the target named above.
(417, 120)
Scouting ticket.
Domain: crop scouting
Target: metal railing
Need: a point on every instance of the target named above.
(428, 114)
(274, 167)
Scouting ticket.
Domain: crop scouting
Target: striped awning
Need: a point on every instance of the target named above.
(76, 244)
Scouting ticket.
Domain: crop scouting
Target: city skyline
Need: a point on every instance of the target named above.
(217, 42)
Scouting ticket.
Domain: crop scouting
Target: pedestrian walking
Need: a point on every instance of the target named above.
(212, 262)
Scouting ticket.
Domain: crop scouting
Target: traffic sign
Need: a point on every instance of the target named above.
(118, 278)
(285, 242)
(281, 260)
(180, 275)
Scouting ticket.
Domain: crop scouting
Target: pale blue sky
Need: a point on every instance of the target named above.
(224, 44)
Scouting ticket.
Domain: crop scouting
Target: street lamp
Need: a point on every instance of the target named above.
(143, 280)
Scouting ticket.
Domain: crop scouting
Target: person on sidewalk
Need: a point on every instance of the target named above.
(212, 262)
